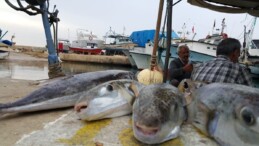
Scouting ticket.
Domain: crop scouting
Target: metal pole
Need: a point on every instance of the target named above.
(168, 37)
(52, 58)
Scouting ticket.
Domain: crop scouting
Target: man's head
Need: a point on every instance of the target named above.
(183, 53)
(229, 47)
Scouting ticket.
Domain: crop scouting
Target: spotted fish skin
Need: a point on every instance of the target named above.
(63, 92)
(229, 113)
(158, 113)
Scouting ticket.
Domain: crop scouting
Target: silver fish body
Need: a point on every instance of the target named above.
(158, 113)
(227, 112)
(63, 92)
(108, 100)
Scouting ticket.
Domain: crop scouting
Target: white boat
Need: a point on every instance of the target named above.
(86, 43)
(142, 55)
(251, 51)
(117, 44)
(118, 41)
(4, 54)
(205, 50)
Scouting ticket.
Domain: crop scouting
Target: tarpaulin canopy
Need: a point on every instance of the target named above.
(143, 36)
(229, 6)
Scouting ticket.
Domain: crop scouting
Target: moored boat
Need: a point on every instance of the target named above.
(4, 54)
(117, 44)
(142, 53)
(86, 43)
(63, 45)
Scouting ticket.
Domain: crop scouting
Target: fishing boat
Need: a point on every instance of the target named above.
(250, 51)
(115, 43)
(205, 49)
(142, 53)
(4, 54)
(63, 45)
(86, 43)
(142, 56)
(6, 43)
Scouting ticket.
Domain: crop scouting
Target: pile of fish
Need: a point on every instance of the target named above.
(228, 113)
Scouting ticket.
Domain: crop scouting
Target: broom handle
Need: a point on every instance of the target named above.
(158, 24)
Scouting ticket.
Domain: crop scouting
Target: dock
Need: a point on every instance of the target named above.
(104, 59)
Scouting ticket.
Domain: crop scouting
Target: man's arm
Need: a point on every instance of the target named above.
(246, 78)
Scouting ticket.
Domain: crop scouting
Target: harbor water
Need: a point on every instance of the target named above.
(38, 70)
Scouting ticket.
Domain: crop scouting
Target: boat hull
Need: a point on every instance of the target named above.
(92, 51)
(4, 55)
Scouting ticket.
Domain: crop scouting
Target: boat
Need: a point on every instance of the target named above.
(86, 43)
(142, 56)
(63, 45)
(115, 43)
(142, 53)
(4, 54)
(6, 43)
(250, 51)
(205, 49)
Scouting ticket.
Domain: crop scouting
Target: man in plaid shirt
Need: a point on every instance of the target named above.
(225, 68)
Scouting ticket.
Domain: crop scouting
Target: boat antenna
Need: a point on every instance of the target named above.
(244, 43)
(223, 26)
(250, 33)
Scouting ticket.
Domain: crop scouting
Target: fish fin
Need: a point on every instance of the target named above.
(135, 91)
(202, 118)
(187, 87)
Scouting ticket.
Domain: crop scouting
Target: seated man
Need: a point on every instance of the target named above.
(180, 68)
(225, 67)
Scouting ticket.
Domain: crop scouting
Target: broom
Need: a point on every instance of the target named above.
(152, 75)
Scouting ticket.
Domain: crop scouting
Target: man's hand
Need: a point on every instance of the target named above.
(188, 68)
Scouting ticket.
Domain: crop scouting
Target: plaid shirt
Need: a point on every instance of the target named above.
(221, 69)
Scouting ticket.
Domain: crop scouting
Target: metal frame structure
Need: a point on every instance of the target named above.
(35, 7)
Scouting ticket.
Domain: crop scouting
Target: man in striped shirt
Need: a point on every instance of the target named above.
(225, 67)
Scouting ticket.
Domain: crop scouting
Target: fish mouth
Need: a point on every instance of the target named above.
(146, 130)
(100, 109)
(80, 106)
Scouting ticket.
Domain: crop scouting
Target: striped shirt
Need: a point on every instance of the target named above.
(221, 69)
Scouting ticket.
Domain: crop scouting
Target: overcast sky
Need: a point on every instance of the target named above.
(99, 15)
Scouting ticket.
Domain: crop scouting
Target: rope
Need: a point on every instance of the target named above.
(153, 61)
(55, 70)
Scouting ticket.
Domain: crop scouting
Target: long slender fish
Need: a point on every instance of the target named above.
(108, 100)
(158, 113)
(64, 92)
(229, 113)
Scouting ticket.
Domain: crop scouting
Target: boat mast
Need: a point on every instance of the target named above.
(250, 33)
(223, 26)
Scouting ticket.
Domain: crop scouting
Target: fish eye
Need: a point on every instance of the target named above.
(247, 116)
(109, 87)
